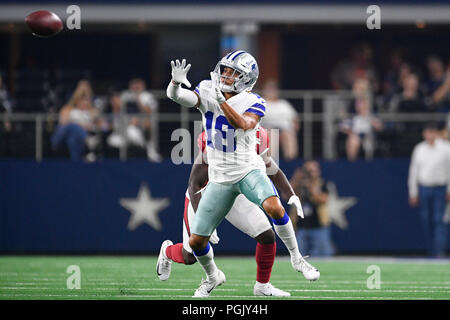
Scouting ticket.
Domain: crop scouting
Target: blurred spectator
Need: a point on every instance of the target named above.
(392, 79)
(358, 65)
(403, 134)
(429, 187)
(438, 85)
(122, 134)
(313, 232)
(5, 111)
(5, 104)
(405, 70)
(361, 127)
(76, 120)
(397, 87)
(281, 115)
(113, 111)
(410, 99)
(137, 100)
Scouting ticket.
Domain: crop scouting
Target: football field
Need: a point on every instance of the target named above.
(134, 277)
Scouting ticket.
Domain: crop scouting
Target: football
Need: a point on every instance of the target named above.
(44, 23)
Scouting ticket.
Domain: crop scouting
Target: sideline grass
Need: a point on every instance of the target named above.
(131, 277)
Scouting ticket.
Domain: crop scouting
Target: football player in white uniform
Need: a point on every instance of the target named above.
(244, 215)
(231, 115)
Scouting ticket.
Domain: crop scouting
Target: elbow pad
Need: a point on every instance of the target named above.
(186, 98)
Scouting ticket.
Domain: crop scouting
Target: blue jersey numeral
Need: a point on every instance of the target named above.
(223, 136)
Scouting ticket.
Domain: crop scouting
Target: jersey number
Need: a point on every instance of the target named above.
(223, 136)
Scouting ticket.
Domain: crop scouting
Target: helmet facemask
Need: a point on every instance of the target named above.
(221, 78)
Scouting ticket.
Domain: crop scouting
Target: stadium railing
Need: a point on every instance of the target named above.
(320, 113)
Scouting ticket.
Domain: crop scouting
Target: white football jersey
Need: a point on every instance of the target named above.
(231, 153)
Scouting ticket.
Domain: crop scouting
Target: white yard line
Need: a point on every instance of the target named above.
(219, 296)
(365, 281)
(109, 289)
(376, 259)
(371, 291)
(87, 291)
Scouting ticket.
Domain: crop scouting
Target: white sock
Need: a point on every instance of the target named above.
(205, 258)
(285, 231)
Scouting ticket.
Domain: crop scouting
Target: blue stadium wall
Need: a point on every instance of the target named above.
(63, 207)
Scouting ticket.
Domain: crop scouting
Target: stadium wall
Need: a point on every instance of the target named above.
(58, 206)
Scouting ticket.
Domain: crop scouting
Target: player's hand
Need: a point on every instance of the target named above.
(414, 201)
(218, 94)
(179, 72)
(294, 200)
(214, 239)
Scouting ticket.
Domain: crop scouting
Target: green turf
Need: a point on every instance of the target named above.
(131, 277)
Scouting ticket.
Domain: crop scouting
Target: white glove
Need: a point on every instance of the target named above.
(214, 239)
(179, 72)
(296, 202)
(219, 96)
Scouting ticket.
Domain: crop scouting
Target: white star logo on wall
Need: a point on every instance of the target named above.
(144, 209)
(337, 206)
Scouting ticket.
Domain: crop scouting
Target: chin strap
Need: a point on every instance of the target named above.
(225, 88)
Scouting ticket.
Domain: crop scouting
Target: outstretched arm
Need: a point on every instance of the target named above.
(175, 92)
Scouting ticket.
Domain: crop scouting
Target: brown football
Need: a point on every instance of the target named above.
(44, 23)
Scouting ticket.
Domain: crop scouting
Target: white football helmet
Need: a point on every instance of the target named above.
(242, 63)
